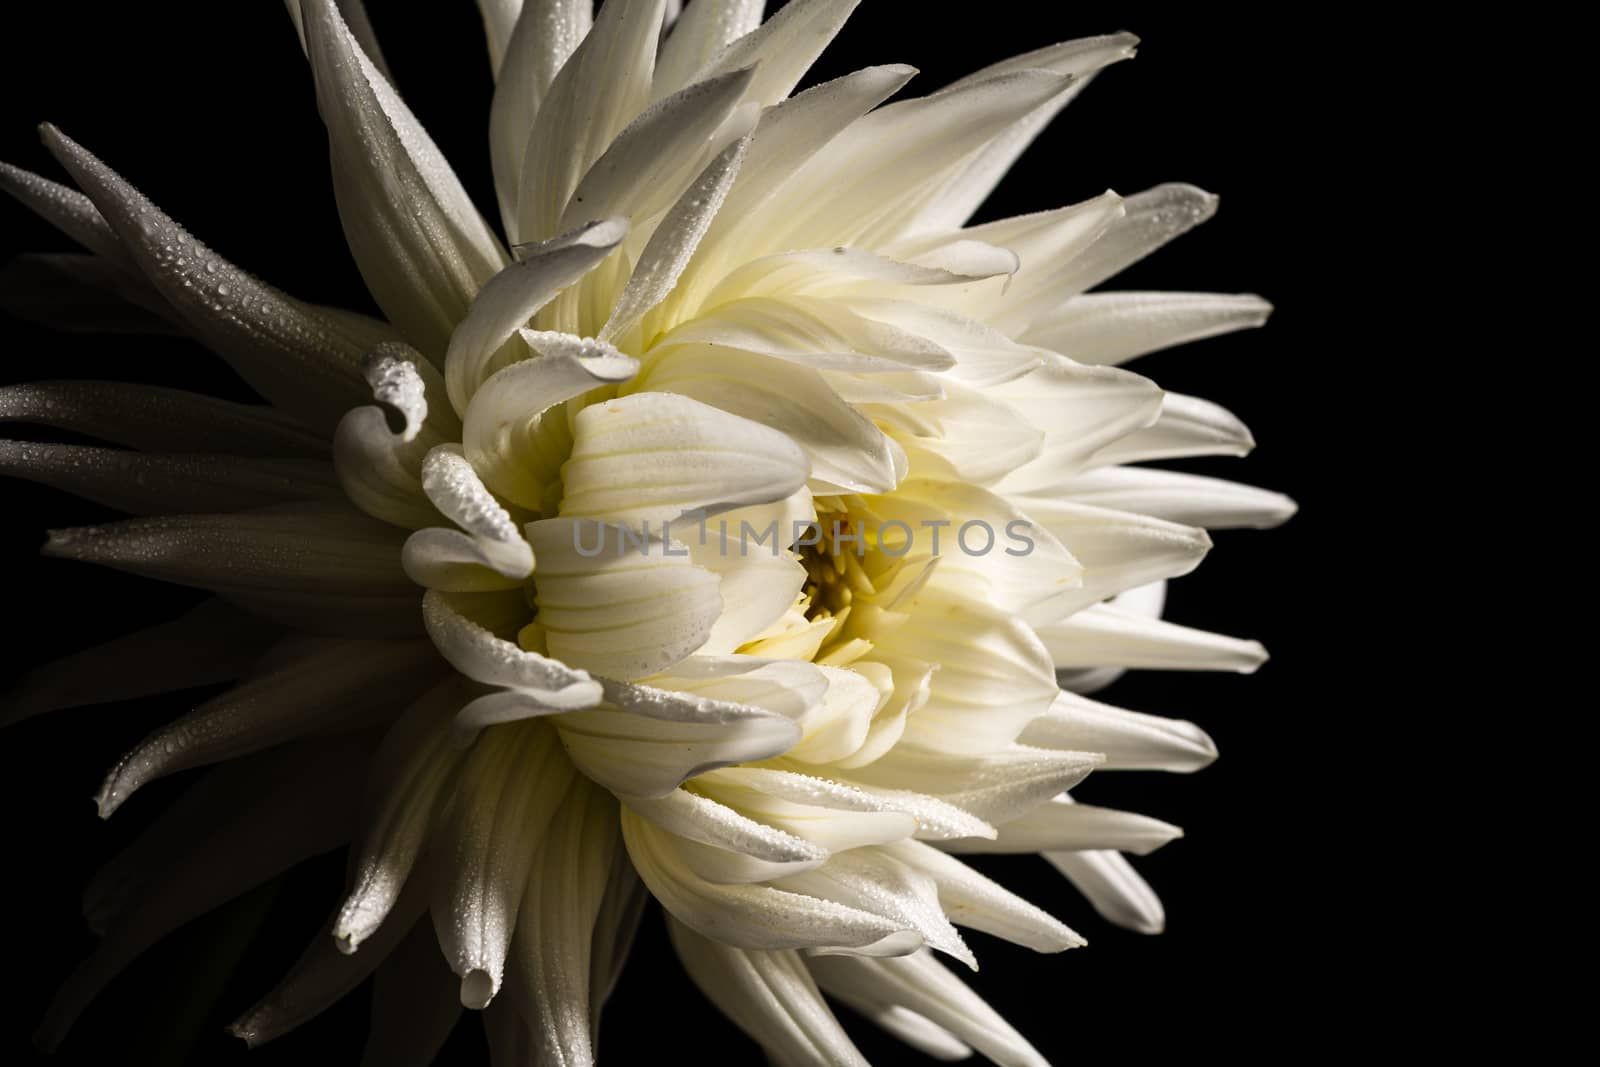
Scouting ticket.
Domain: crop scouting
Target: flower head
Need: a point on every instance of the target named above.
(735, 527)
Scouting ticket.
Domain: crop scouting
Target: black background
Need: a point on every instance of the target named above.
(208, 108)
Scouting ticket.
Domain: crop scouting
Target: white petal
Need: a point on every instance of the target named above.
(993, 676)
(654, 457)
(1082, 410)
(827, 813)
(499, 21)
(478, 347)
(907, 1026)
(324, 567)
(286, 823)
(480, 655)
(555, 928)
(1118, 549)
(1188, 426)
(674, 241)
(846, 452)
(378, 450)
(621, 609)
(1114, 888)
(1150, 219)
(1080, 60)
(1177, 497)
(322, 976)
(647, 167)
(770, 996)
(751, 916)
(759, 578)
(414, 1004)
(600, 89)
(869, 184)
(1104, 635)
(984, 547)
(155, 419)
(1129, 740)
(1063, 826)
(455, 489)
(786, 136)
(921, 984)
(660, 737)
(315, 685)
(873, 880)
(748, 851)
(984, 356)
(783, 48)
(508, 789)
(1113, 328)
(545, 36)
(212, 643)
(995, 786)
(66, 209)
(972, 900)
(697, 37)
(410, 780)
(505, 435)
(297, 359)
(146, 484)
(422, 247)
(354, 13)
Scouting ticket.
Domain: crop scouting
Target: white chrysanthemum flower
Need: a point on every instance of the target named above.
(770, 526)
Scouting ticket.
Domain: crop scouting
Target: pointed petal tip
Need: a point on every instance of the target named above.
(245, 1031)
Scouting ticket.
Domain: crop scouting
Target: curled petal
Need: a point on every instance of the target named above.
(478, 346)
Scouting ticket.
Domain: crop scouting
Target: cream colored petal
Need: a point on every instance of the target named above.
(309, 687)
(921, 984)
(535, 39)
(972, 900)
(212, 643)
(506, 435)
(995, 786)
(620, 606)
(1115, 889)
(155, 419)
(600, 89)
(412, 776)
(294, 357)
(1063, 826)
(844, 450)
(421, 245)
(509, 788)
(149, 484)
(651, 162)
(482, 656)
(1114, 328)
(1119, 550)
(1103, 635)
(323, 567)
(1177, 497)
(752, 916)
(654, 457)
(697, 37)
(1150, 219)
(484, 342)
(555, 927)
(1187, 426)
(674, 241)
(1130, 740)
